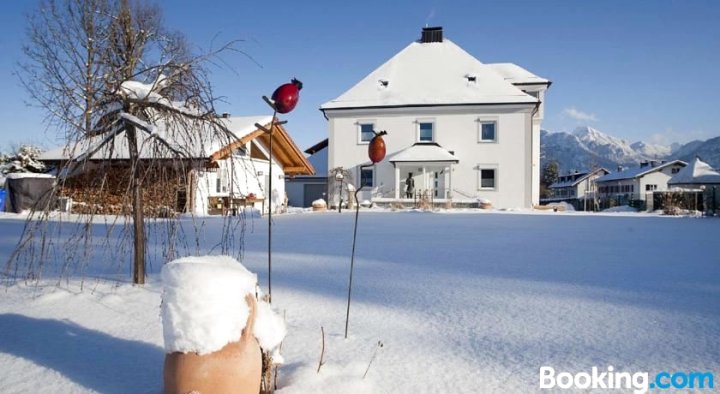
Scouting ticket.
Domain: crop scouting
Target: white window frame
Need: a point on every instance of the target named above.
(417, 129)
(480, 123)
(486, 166)
(360, 124)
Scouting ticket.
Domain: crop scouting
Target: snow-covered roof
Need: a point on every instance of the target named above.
(573, 179)
(517, 75)
(423, 152)
(198, 144)
(637, 172)
(428, 74)
(21, 175)
(697, 173)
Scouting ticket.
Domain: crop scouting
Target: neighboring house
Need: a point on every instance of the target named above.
(461, 129)
(697, 175)
(576, 186)
(635, 183)
(201, 174)
(302, 190)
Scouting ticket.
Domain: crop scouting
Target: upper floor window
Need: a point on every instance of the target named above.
(365, 131)
(675, 170)
(426, 131)
(649, 188)
(488, 131)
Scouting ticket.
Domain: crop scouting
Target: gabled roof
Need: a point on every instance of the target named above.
(575, 179)
(517, 75)
(285, 152)
(637, 172)
(202, 145)
(697, 173)
(430, 74)
(423, 152)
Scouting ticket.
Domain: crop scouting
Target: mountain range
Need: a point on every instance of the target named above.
(587, 147)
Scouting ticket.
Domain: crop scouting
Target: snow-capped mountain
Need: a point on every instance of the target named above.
(708, 151)
(612, 148)
(652, 150)
(587, 147)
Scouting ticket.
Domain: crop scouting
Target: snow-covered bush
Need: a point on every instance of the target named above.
(24, 159)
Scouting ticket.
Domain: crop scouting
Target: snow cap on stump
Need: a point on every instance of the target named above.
(204, 306)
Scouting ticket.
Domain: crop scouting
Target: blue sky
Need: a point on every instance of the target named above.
(633, 69)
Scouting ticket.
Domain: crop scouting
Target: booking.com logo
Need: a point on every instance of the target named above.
(639, 382)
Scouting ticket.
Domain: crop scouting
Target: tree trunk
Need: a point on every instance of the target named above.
(137, 209)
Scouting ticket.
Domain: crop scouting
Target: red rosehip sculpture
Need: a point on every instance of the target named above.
(376, 149)
(286, 96)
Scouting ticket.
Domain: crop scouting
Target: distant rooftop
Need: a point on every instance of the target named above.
(637, 172)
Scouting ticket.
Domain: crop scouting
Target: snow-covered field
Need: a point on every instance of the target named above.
(462, 302)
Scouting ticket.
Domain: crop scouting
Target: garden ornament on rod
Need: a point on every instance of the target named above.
(284, 99)
(376, 153)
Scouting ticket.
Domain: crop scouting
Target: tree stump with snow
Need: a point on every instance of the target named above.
(214, 329)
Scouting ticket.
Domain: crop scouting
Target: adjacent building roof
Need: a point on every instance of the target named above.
(517, 75)
(697, 173)
(435, 74)
(637, 172)
(423, 152)
(317, 147)
(572, 180)
(165, 143)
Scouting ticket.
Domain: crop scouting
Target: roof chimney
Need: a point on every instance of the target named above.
(432, 34)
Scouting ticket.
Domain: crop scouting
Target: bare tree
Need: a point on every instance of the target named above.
(120, 85)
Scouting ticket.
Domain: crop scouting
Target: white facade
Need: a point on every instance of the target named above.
(434, 92)
(637, 183)
(236, 178)
(456, 129)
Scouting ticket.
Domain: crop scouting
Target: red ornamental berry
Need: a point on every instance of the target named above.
(286, 96)
(376, 149)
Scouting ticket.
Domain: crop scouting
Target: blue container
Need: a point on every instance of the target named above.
(2, 200)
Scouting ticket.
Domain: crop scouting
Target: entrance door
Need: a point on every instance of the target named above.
(439, 184)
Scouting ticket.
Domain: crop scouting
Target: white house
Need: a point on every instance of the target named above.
(577, 185)
(222, 172)
(636, 183)
(460, 128)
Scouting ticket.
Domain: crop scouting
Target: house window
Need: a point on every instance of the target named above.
(366, 133)
(426, 131)
(366, 177)
(488, 177)
(488, 131)
(675, 170)
(218, 184)
(649, 188)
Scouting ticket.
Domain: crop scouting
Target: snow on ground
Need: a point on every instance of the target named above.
(462, 302)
